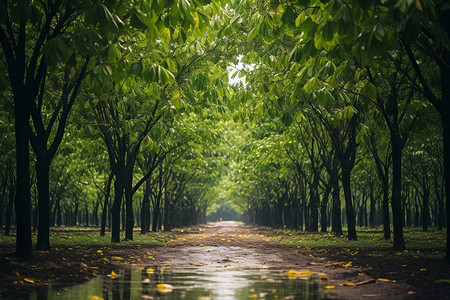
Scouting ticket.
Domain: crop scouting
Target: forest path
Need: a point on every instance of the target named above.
(228, 244)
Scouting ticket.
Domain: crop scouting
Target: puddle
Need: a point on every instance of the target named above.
(196, 283)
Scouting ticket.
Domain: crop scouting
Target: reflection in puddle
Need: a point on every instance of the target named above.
(194, 283)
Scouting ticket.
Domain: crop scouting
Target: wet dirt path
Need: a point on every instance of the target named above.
(230, 245)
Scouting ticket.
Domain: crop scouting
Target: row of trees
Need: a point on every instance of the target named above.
(121, 91)
(363, 88)
(129, 100)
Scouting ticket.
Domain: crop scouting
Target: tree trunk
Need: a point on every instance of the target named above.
(425, 209)
(323, 208)
(314, 205)
(446, 134)
(106, 204)
(155, 221)
(372, 214)
(145, 209)
(396, 201)
(9, 208)
(349, 210)
(115, 211)
(336, 215)
(129, 205)
(22, 200)
(43, 179)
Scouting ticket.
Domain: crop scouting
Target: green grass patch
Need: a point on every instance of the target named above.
(70, 236)
(418, 243)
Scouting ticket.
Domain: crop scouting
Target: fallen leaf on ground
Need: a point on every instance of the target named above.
(116, 258)
(349, 284)
(329, 287)
(349, 264)
(305, 273)
(411, 292)
(164, 288)
(150, 271)
(95, 298)
(114, 275)
(29, 280)
(199, 264)
(383, 279)
(323, 277)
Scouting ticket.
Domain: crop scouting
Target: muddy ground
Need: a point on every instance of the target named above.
(227, 244)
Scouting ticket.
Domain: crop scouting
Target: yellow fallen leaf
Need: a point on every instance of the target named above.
(329, 287)
(29, 280)
(348, 284)
(238, 255)
(116, 258)
(199, 264)
(423, 270)
(114, 275)
(201, 245)
(100, 252)
(253, 296)
(151, 257)
(323, 277)
(264, 277)
(349, 264)
(305, 273)
(95, 298)
(293, 272)
(227, 265)
(150, 271)
(383, 279)
(228, 241)
(411, 292)
(164, 288)
(221, 254)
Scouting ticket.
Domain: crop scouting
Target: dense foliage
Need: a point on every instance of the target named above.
(337, 114)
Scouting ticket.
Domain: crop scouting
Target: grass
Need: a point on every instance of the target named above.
(418, 243)
(75, 235)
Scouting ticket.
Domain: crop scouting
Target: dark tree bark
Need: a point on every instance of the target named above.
(145, 208)
(106, 204)
(9, 208)
(22, 200)
(115, 211)
(323, 208)
(43, 180)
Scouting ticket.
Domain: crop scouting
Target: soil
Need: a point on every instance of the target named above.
(227, 244)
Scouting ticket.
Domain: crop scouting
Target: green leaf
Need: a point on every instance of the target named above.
(348, 112)
(136, 68)
(287, 119)
(114, 53)
(312, 85)
(165, 35)
(324, 97)
(379, 32)
(369, 90)
(55, 51)
(361, 133)
(327, 31)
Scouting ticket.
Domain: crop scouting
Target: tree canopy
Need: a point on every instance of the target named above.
(340, 117)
